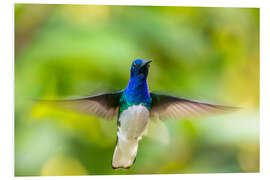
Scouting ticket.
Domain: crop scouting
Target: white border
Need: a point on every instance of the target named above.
(202, 3)
(7, 84)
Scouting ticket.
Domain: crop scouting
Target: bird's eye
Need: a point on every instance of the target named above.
(135, 65)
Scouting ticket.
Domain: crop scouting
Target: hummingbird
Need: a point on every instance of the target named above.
(134, 107)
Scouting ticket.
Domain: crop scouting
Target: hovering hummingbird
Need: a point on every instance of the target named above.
(133, 107)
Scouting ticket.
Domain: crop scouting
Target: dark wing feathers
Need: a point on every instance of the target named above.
(103, 105)
(164, 106)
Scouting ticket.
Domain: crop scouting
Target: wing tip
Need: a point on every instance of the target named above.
(229, 108)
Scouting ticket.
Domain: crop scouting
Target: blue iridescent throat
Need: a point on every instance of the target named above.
(135, 93)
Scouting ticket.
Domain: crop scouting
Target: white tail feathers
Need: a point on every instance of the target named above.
(124, 153)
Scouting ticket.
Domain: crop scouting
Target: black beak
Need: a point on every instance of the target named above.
(146, 63)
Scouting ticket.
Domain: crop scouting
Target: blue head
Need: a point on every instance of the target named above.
(137, 89)
(139, 69)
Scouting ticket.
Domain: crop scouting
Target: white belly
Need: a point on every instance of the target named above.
(133, 122)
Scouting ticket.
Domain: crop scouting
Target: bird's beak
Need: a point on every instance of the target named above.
(146, 63)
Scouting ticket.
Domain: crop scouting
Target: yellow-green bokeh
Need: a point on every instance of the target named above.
(208, 54)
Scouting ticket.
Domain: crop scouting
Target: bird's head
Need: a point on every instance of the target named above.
(139, 68)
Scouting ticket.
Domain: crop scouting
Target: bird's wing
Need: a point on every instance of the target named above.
(165, 106)
(102, 105)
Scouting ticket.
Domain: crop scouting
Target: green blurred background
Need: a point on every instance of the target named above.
(208, 54)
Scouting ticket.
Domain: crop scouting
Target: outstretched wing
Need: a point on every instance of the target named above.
(103, 105)
(165, 106)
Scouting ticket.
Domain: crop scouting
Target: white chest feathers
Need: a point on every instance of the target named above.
(133, 122)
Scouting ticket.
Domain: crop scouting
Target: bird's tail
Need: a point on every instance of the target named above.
(125, 153)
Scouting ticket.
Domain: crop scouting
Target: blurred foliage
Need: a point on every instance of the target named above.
(209, 54)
